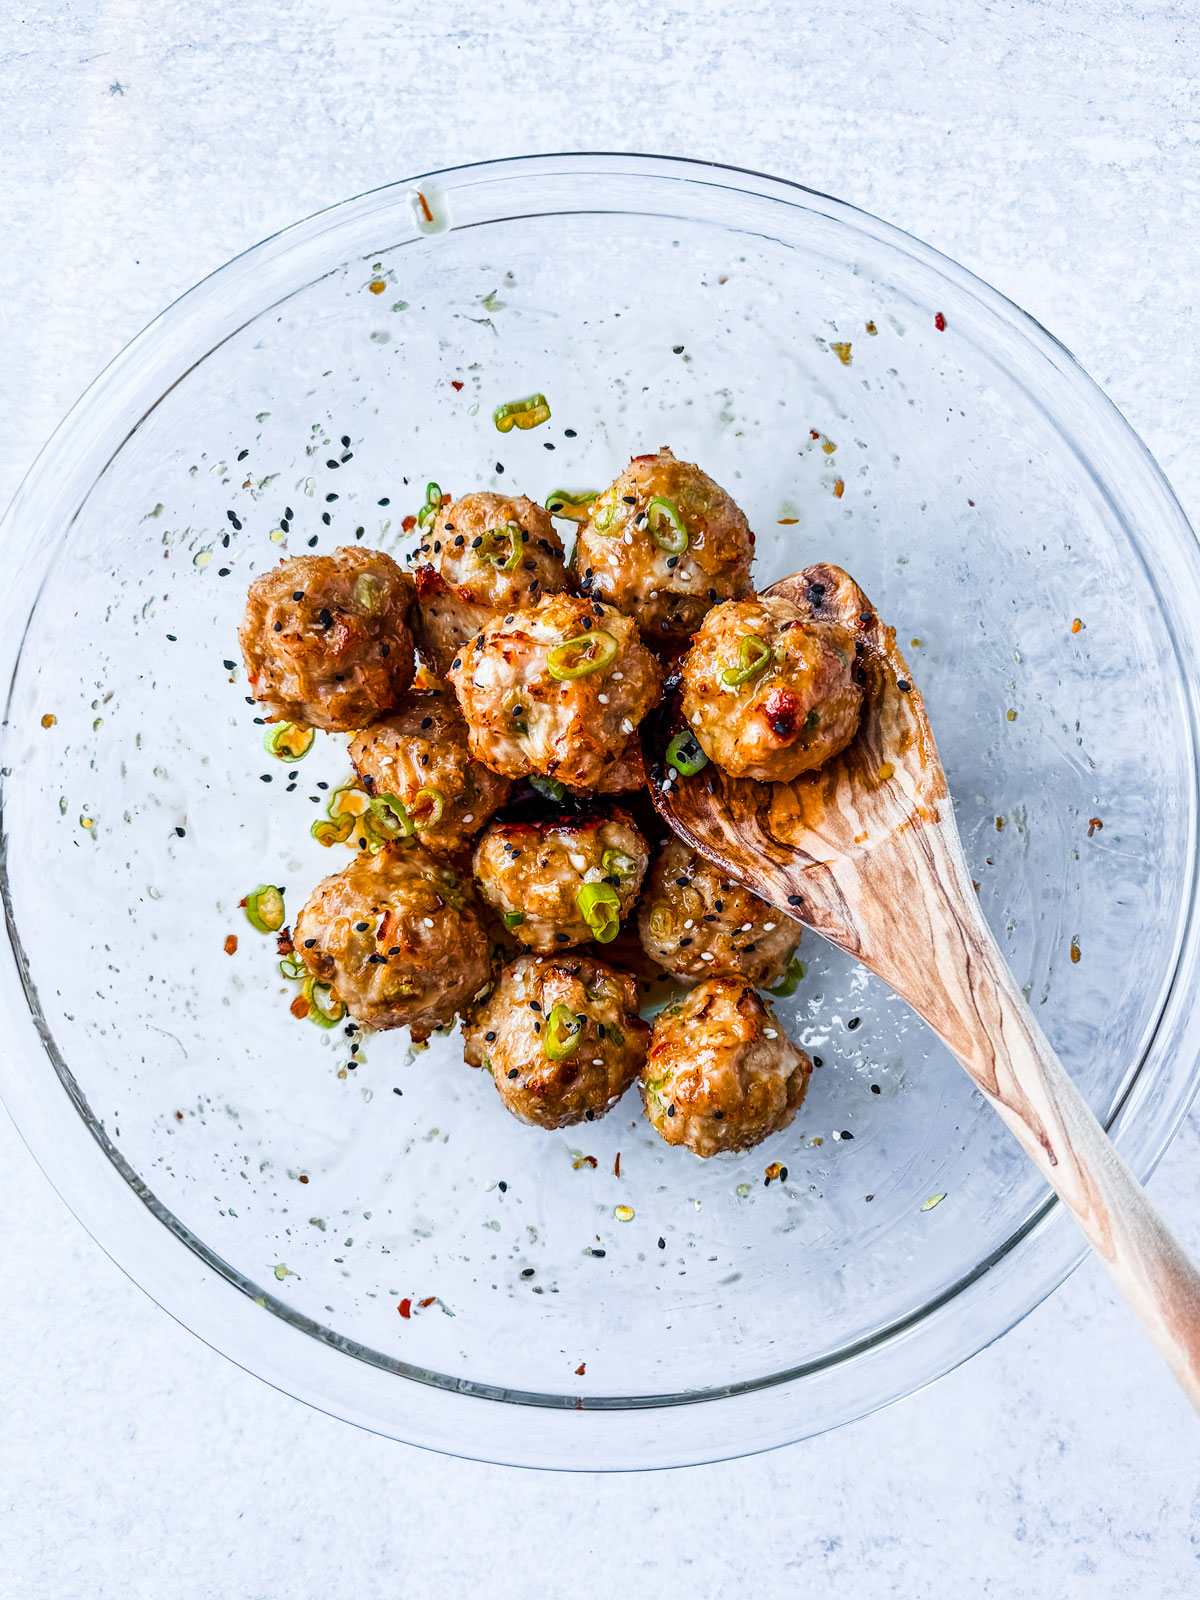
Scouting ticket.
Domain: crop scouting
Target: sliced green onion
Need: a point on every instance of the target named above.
(666, 528)
(292, 967)
(521, 414)
(435, 800)
(433, 504)
(600, 907)
(685, 755)
(325, 1016)
(550, 788)
(754, 657)
(604, 514)
(513, 919)
(491, 548)
(588, 652)
(349, 801)
(389, 817)
(289, 742)
(264, 908)
(367, 591)
(571, 507)
(615, 863)
(812, 720)
(563, 1032)
(786, 987)
(331, 833)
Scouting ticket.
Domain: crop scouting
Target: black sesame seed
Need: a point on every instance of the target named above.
(527, 1272)
(427, 722)
(513, 1073)
(228, 665)
(818, 1061)
(855, 1022)
(793, 900)
(312, 542)
(181, 832)
(322, 785)
(783, 1174)
(325, 617)
(589, 1116)
(360, 927)
(677, 349)
(455, 664)
(719, 1116)
(346, 440)
(875, 1089)
(278, 628)
(502, 1186)
(233, 517)
(490, 1038)
(358, 532)
(326, 519)
(386, 501)
(332, 463)
(846, 1134)
(329, 497)
(562, 938)
(903, 686)
(600, 1253)
(534, 1006)
(547, 446)
(285, 524)
(308, 943)
(398, 1091)
(670, 1111)
(499, 466)
(242, 454)
(264, 777)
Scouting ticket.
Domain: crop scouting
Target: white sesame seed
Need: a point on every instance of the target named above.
(745, 927)
(429, 922)
(597, 1061)
(689, 923)
(628, 538)
(672, 774)
(769, 927)
(835, 1136)
(470, 817)
(603, 699)
(654, 594)
(770, 1033)
(696, 719)
(707, 955)
(618, 677)
(626, 725)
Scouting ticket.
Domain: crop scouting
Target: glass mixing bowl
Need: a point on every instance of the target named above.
(867, 402)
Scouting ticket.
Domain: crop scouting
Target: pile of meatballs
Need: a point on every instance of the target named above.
(493, 690)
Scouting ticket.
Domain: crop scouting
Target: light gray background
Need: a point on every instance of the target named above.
(1055, 149)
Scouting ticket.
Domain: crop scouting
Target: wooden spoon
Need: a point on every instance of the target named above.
(866, 852)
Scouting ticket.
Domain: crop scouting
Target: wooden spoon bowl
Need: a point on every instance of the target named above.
(865, 851)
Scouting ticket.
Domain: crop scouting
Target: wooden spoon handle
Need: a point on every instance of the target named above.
(983, 1018)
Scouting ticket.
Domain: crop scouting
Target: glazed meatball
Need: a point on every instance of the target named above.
(768, 693)
(419, 754)
(627, 774)
(698, 924)
(495, 551)
(663, 544)
(443, 622)
(555, 690)
(721, 1074)
(326, 639)
(563, 880)
(561, 1037)
(398, 939)
(483, 555)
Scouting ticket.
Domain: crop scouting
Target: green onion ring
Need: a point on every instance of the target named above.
(437, 807)
(786, 987)
(287, 741)
(754, 657)
(666, 527)
(563, 1032)
(587, 652)
(264, 908)
(571, 507)
(685, 755)
(522, 414)
(490, 548)
(513, 919)
(600, 907)
(324, 1017)
(433, 504)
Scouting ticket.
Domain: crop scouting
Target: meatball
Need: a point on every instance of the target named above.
(442, 621)
(769, 693)
(721, 1074)
(663, 544)
(563, 880)
(561, 1037)
(697, 924)
(398, 939)
(419, 754)
(496, 551)
(627, 774)
(555, 690)
(326, 640)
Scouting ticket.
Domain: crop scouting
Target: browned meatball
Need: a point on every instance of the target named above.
(442, 621)
(664, 543)
(628, 774)
(496, 551)
(563, 880)
(561, 1037)
(419, 754)
(767, 692)
(326, 640)
(696, 923)
(721, 1074)
(398, 938)
(555, 690)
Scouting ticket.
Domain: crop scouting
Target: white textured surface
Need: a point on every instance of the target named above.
(1056, 152)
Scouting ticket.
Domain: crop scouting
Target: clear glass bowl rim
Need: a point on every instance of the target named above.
(214, 1301)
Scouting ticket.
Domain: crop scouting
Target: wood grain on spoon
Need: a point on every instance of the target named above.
(866, 852)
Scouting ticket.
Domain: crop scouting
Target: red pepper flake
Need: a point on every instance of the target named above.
(1076, 625)
(1075, 948)
(284, 944)
(871, 328)
(839, 488)
(581, 1369)
(775, 1170)
(428, 1301)
(179, 1116)
(409, 524)
(304, 1177)
(970, 502)
(300, 1007)
(405, 1309)
(939, 323)
(456, 383)
(231, 944)
(425, 206)
(617, 1166)
(242, 902)
(787, 522)
(814, 433)
(377, 286)
(1094, 826)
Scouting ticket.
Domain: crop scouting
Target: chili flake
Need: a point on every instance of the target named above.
(49, 720)
(580, 1369)
(773, 1171)
(1076, 626)
(300, 1007)
(377, 286)
(1094, 826)
(428, 1301)
(871, 328)
(1075, 952)
(939, 323)
(231, 944)
(839, 488)
(405, 1308)
(842, 352)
